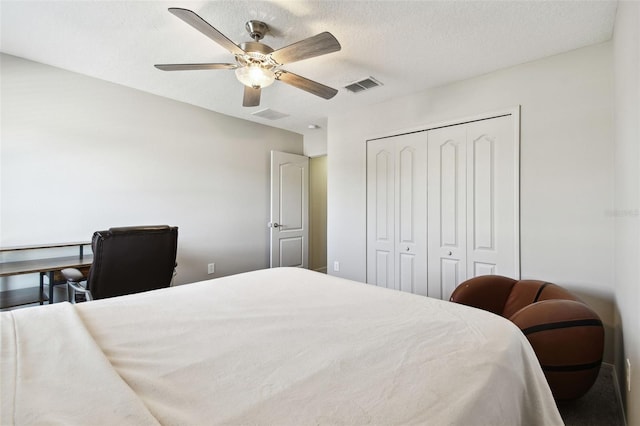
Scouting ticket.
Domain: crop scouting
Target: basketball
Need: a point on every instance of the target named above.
(568, 339)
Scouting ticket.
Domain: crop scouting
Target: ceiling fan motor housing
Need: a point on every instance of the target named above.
(255, 54)
(255, 47)
(256, 29)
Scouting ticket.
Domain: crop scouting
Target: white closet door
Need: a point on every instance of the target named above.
(473, 211)
(442, 206)
(411, 208)
(396, 208)
(447, 211)
(492, 208)
(380, 213)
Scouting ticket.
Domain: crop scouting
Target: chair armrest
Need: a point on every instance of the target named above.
(73, 275)
(487, 292)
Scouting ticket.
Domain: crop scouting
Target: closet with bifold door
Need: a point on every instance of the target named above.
(443, 205)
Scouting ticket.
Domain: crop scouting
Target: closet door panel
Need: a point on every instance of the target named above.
(383, 265)
(446, 212)
(407, 272)
(411, 199)
(480, 268)
(406, 191)
(450, 270)
(380, 213)
(482, 193)
(492, 198)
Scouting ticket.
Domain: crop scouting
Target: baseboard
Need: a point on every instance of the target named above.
(616, 387)
(322, 269)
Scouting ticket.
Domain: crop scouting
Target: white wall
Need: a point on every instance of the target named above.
(80, 154)
(315, 140)
(627, 200)
(566, 166)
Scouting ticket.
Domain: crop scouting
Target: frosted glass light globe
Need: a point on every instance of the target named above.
(255, 76)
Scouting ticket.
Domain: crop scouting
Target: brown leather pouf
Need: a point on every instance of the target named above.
(568, 339)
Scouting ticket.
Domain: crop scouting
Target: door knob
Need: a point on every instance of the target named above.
(450, 253)
(408, 249)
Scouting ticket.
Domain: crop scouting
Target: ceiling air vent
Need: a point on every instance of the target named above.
(362, 85)
(270, 114)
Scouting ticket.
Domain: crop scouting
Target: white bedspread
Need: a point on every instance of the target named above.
(275, 347)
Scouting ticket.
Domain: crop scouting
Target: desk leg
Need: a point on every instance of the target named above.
(40, 298)
(51, 273)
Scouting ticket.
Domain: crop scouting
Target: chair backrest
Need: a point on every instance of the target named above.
(526, 292)
(132, 259)
(505, 296)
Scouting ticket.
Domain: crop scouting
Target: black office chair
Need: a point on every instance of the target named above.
(126, 260)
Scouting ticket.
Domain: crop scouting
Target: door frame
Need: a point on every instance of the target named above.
(514, 111)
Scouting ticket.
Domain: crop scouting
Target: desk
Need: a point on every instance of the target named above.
(50, 267)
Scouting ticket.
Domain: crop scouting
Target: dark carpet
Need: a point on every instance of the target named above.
(598, 407)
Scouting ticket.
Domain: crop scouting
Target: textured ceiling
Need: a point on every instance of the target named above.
(407, 45)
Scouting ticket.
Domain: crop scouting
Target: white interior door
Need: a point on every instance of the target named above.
(289, 225)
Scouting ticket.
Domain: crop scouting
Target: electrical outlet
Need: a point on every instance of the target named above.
(211, 268)
(336, 266)
(628, 368)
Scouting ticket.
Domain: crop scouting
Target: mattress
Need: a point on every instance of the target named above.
(281, 346)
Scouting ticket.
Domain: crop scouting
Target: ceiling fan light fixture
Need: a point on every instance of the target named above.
(258, 65)
(255, 76)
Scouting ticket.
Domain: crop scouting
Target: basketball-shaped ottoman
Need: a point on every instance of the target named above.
(568, 339)
(566, 334)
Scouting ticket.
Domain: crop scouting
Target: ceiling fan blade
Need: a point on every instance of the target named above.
(188, 67)
(310, 86)
(251, 97)
(317, 45)
(205, 28)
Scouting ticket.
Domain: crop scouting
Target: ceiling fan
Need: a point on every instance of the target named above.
(258, 65)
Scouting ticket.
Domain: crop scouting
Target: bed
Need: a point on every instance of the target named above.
(281, 346)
